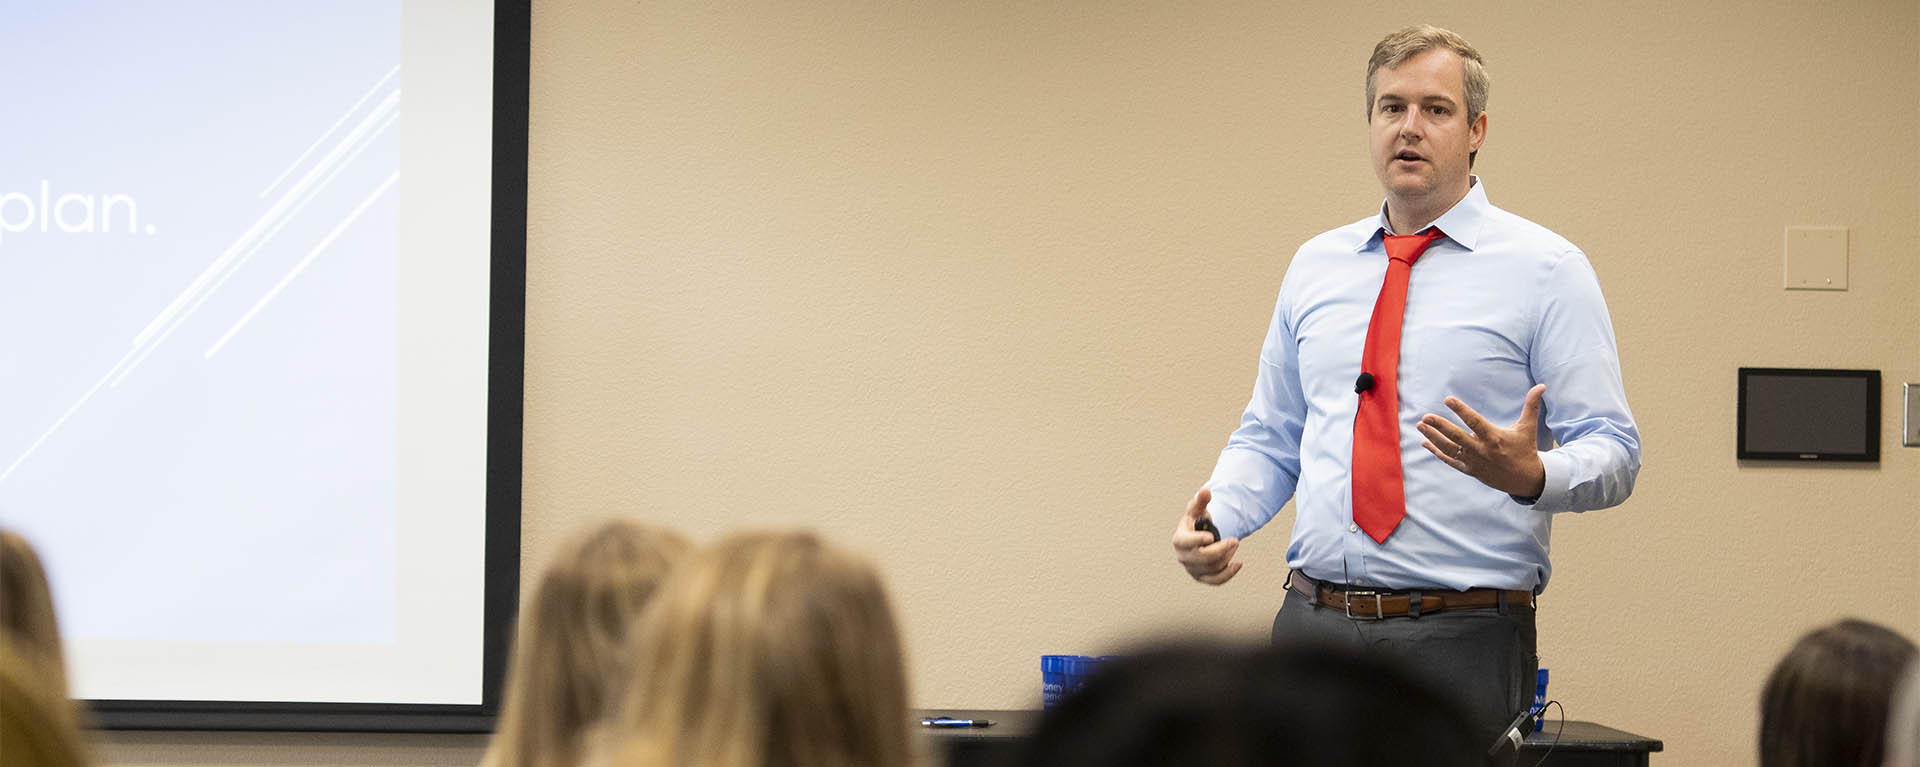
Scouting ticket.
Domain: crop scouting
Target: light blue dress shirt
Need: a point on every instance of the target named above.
(1497, 305)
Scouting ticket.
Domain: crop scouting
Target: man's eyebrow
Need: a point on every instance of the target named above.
(1433, 99)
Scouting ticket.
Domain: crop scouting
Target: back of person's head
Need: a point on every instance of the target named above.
(39, 726)
(26, 608)
(766, 650)
(1903, 725)
(1826, 703)
(1238, 706)
(570, 653)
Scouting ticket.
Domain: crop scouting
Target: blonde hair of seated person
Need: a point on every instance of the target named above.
(39, 726)
(26, 609)
(771, 649)
(570, 651)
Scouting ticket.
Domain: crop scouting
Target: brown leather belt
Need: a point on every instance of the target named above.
(1374, 604)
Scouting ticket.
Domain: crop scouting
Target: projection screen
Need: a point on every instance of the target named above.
(262, 289)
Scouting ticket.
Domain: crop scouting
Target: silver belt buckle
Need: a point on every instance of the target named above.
(1379, 606)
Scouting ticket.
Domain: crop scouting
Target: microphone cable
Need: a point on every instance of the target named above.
(1556, 730)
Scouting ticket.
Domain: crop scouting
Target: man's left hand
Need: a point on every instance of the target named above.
(1506, 459)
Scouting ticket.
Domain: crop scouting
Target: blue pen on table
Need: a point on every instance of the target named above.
(947, 721)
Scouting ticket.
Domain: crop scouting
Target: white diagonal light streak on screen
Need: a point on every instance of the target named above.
(270, 223)
(69, 414)
(226, 259)
(280, 223)
(336, 126)
(302, 266)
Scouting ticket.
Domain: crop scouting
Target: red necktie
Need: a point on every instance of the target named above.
(1379, 501)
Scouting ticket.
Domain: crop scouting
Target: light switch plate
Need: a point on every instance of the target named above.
(1910, 422)
(1816, 258)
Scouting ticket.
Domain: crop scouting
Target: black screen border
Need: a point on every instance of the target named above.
(506, 366)
(1871, 428)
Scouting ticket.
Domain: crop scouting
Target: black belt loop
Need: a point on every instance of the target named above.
(1503, 601)
(1413, 604)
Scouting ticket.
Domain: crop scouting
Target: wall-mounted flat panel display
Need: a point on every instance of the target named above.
(1804, 414)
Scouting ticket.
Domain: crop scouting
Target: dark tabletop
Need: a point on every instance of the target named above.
(1008, 724)
(1587, 736)
(1573, 735)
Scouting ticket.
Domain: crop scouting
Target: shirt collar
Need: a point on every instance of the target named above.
(1461, 223)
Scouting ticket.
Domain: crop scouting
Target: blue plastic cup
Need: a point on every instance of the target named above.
(1539, 700)
(1060, 675)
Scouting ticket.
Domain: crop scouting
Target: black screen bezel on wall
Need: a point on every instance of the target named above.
(1869, 430)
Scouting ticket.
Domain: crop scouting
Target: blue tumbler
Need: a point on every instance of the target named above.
(1540, 700)
(1060, 675)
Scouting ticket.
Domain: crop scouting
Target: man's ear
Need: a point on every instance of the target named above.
(1476, 133)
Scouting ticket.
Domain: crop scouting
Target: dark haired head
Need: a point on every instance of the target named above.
(1228, 706)
(1827, 701)
(1903, 726)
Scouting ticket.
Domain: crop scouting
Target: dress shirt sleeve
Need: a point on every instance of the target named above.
(1260, 466)
(1585, 408)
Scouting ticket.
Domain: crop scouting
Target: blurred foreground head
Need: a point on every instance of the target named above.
(771, 649)
(39, 726)
(1243, 706)
(569, 655)
(1903, 727)
(1826, 703)
(26, 609)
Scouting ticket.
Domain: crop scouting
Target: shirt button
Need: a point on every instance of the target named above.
(1353, 528)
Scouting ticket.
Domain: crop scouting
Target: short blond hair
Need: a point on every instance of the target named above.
(26, 608)
(771, 649)
(569, 656)
(1394, 50)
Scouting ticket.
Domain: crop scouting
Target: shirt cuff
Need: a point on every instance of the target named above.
(1225, 512)
(1557, 493)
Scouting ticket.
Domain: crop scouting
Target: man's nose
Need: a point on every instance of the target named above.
(1411, 127)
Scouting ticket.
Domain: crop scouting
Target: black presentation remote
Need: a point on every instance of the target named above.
(1205, 525)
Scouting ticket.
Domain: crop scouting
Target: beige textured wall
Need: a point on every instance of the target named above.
(978, 288)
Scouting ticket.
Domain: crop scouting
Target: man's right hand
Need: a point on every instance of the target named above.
(1207, 560)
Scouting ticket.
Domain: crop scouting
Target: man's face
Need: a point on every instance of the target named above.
(1420, 137)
